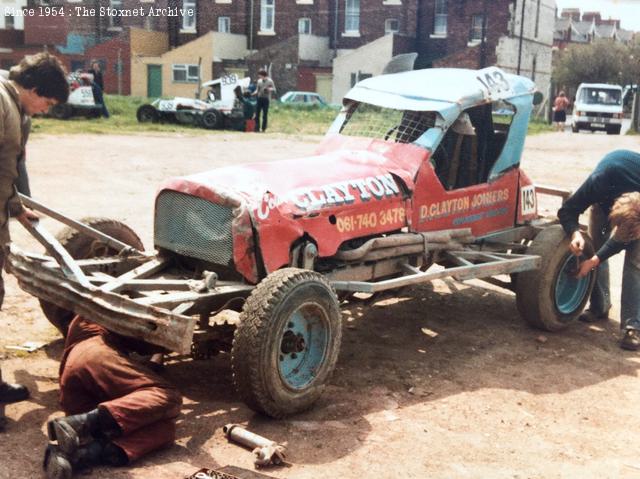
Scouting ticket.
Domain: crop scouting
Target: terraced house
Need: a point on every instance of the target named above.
(317, 45)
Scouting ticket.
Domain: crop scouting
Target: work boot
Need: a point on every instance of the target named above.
(59, 465)
(590, 317)
(72, 431)
(631, 340)
(10, 393)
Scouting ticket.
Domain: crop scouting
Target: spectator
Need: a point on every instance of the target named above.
(97, 87)
(616, 174)
(264, 89)
(96, 71)
(35, 84)
(118, 409)
(560, 105)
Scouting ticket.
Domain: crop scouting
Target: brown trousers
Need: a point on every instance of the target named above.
(96, 374)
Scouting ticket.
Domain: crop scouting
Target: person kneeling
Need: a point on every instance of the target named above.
(117, 409)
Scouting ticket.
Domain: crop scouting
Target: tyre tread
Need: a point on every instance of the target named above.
(246, 351)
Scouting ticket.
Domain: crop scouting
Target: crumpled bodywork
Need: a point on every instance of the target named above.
(356, 187)
(283, 200)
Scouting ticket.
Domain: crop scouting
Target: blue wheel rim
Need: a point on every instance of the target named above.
(570, 291)
(303, 346)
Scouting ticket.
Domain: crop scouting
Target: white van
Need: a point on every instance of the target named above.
(598, 106)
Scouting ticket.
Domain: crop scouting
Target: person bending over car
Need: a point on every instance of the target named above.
(616, 174)
(118, 409)
(35, 84)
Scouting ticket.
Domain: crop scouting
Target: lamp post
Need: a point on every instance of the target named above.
(521, 37)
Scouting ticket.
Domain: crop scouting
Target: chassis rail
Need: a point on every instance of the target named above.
(136, 295)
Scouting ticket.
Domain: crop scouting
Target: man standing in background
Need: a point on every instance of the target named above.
(264, 89)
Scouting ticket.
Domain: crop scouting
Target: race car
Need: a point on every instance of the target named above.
(211, 113)
(417, 179)
(81, 101)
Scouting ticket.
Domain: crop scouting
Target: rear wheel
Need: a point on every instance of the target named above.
(614, 130)
(574, 128)
(551, 297)
(211, 119)
(61, 111)
(81, 246)
(286, 345)
(147, 114)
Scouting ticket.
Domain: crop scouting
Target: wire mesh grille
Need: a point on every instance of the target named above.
(371, 121)
(194, 227)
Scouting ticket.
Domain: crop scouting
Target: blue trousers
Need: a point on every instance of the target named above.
(600, 301)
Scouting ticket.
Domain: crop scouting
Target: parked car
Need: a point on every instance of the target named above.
(80, 102)
(417, 179)
(211, 113)
(304, 98)
(598, 106)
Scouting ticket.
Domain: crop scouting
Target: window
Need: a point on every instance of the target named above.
(352, 16)
(391, 25)
(189, 15)
(115, 20)
(440, 18)
(472, 145)
(185, 73)
(304, 26)
(9, 22)
(224, 24)
(537, 18)
(477, 28)
(267, 15)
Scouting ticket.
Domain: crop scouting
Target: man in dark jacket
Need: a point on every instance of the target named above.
(616, 174)
(35, 84)
(265, 89)
(117, 408)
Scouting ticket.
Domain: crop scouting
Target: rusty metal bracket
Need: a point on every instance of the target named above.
(68, 265)
(123, 248)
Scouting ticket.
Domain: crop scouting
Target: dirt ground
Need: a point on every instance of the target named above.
(444, 381)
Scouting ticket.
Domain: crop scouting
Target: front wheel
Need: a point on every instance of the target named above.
(147, 114)
(211, 119)
(61, 111)
(551, 297)
(286, 345)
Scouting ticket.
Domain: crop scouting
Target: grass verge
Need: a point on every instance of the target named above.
(284, 119)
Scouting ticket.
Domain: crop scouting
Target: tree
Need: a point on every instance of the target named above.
(602, 61)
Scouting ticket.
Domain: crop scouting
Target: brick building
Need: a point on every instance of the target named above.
(301, 41)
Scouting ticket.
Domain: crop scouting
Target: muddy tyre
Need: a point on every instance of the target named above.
(211, 119)
(551, 297)
(286, 345)
(81, 246)
(147, 114)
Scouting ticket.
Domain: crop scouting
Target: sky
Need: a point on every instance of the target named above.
(627, 11)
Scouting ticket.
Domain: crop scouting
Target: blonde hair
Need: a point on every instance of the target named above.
(625, 217)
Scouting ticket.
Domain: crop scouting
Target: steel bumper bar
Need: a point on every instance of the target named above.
(115, 312)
